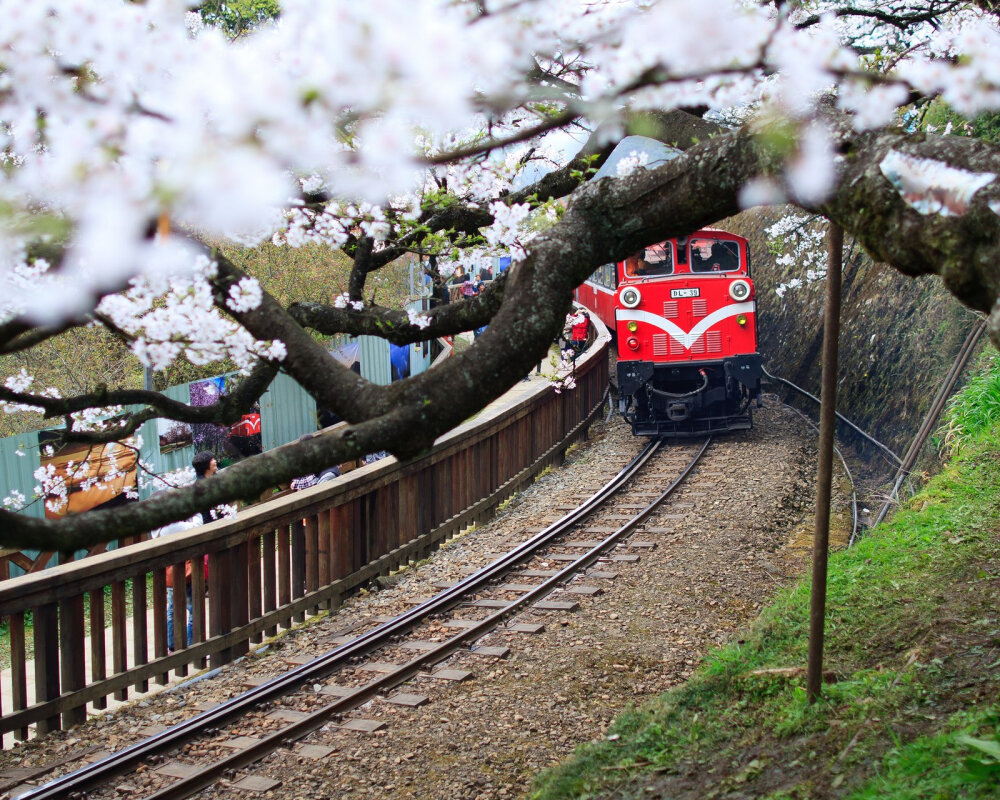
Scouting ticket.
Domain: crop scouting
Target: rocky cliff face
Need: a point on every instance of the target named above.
(899, 335)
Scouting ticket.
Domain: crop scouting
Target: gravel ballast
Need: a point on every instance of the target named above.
(741, 533)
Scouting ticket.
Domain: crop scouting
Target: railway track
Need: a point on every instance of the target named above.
(339, 681)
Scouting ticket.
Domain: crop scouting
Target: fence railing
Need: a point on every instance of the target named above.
(29, 561)
(268, 567)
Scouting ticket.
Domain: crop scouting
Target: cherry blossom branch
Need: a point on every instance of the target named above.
(539, 74)
(407, 416)
(559, 120)
(400, 327)
(678, 128)
(316, 370)
(604, 221)
(31, 336)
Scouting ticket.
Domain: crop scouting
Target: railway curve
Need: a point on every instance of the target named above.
(714, 564)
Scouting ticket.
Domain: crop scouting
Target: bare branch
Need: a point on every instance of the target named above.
(30, 337)
(551, 123)
(226, 410)
(362, 266)
(395, 326)
(902, 20)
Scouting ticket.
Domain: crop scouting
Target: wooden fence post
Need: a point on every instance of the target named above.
(46, 637)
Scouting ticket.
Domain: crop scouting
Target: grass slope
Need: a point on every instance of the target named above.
(913, 654)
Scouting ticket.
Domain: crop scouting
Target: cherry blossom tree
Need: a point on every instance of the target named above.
(135, 138)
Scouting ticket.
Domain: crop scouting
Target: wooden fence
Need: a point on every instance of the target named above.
(270, 566)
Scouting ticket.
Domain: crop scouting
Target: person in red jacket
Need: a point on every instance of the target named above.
(578, 334)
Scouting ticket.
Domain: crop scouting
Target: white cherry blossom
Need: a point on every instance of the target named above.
(147, 113)
(116, 116)
(245, 295)
(420, 320)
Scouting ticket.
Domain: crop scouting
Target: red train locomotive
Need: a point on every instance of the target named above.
(684, 317)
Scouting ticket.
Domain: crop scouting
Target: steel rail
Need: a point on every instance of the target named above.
(118, 763)
(187, 787)
(850, 477)
(854, 500)
(905, 464)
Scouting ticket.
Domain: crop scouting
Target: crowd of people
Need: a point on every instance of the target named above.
(205, 466)
(460, 285)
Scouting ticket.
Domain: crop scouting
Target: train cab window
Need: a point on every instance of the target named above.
(655, 260)
(714, 255)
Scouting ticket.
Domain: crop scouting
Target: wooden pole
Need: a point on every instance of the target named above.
(824, 473)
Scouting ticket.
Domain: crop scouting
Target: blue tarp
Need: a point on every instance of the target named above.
(399, 357)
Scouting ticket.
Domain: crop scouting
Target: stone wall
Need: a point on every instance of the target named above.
(899, 335)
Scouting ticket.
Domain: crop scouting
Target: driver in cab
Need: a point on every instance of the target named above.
(654, 260)
(709, 255)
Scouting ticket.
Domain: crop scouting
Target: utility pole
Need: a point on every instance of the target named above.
(824, 473)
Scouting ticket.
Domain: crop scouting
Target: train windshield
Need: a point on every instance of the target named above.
(714, 255)
(655, 260)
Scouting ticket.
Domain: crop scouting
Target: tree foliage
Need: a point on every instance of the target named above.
(239, 16)
(143, 148)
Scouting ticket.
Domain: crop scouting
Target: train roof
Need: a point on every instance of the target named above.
(716, 232)
(658, 153)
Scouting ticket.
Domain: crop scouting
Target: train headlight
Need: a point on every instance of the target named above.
(739, 290)
(630, 297)
(632, 326)
(741, 320)
(632, 342)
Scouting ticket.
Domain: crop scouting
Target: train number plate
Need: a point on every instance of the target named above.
(675, 293)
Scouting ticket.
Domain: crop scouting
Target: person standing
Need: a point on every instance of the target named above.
(709, 255)
(303, 482)
(440, 294)
(205, 466)
(172, 578)
(579, 332)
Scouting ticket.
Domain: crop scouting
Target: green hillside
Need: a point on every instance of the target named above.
(911, 708)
